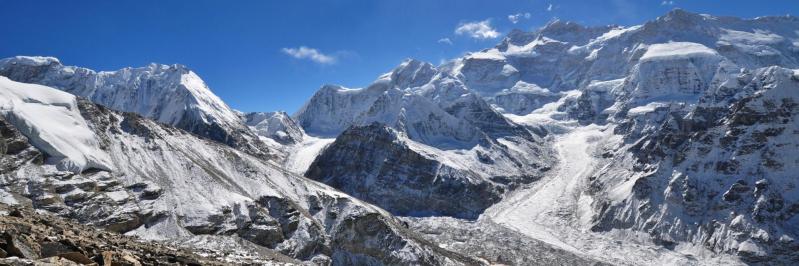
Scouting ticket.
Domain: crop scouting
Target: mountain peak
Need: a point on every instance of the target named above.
(31, 60)
(560, 25)
(278, 126)
(183, 69)
(568, 31)
(170, 94)
(412, 73)
(682, 16)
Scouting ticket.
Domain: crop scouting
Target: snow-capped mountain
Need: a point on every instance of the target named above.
(700, 106)
(678, 129)
(170, 94)
(418, 142)
(278, 126)
(128, 174)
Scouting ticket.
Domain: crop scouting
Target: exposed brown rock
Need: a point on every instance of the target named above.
(30, 238)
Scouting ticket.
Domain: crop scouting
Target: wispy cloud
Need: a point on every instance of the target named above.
(445, 41)
(667, 3)
(312, 54)
(550, 7)
(477, 30)
(514, 18)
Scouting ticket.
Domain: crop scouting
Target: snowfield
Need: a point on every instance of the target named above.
(676, 50)
(52, 122)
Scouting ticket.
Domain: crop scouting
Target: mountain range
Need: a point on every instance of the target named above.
(670, 142)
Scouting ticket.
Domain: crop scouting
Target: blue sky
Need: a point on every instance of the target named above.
(273, 55)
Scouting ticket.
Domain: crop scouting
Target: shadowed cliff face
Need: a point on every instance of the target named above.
(372, 163)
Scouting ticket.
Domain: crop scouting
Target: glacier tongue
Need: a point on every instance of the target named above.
(50, 119)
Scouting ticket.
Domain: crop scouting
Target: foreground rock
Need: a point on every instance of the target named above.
(31, 238)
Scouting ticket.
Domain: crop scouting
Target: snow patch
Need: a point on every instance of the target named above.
(756, 37)
(676, 50)
(648, 108)
(491, 54)
(616, 32)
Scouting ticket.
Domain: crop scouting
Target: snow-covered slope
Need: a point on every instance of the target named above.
(170, 94)
(52, 122)
(163, 183)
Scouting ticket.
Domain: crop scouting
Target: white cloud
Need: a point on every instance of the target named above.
(312, 54)
(445, 40)
(477, 30)
(514, 18)
(667, 3)
(549, 8)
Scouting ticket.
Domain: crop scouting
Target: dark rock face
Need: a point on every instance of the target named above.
(373, 164)
(14, 148)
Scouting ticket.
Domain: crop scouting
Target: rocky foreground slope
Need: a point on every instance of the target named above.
(31, 238)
